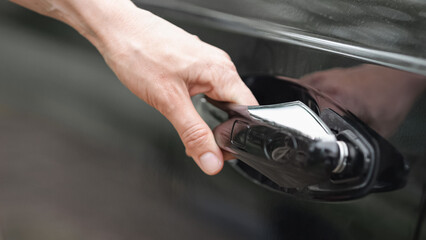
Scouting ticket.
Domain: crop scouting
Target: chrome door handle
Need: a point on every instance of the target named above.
(291, 148)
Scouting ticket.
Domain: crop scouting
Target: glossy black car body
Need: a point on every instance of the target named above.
(88, 164)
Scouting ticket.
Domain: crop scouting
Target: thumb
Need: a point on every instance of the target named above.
(196, 136)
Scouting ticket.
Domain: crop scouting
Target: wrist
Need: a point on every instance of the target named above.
(99, 21)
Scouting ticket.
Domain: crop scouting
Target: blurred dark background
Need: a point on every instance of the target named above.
(80, 156)
(83, 158)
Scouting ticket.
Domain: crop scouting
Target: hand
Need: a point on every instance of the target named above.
(164, 66)
(159, 62)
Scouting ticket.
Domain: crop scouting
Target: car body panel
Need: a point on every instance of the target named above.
(388, 33)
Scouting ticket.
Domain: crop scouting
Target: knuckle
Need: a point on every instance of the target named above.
(230, 66)
(225, 74)
(230, 79)
(194, 137)
(165, 100)
(196, 37)
(227, 86)
(224, 54)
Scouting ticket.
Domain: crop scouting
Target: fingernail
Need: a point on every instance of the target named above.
(210, 163)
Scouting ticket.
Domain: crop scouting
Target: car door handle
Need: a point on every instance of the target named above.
(297, 149)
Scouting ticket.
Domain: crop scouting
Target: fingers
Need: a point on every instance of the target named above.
(223, 80)
(227, 86)
(230, 88)
(195, 135)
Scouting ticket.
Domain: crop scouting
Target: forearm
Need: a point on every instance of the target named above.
(94, 19)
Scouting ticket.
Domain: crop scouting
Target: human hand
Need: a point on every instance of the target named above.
(159, 62)
(164, 66)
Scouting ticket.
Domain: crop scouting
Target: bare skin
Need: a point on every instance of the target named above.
(160, 63)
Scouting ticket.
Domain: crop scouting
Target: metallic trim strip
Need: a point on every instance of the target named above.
(281, 33)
